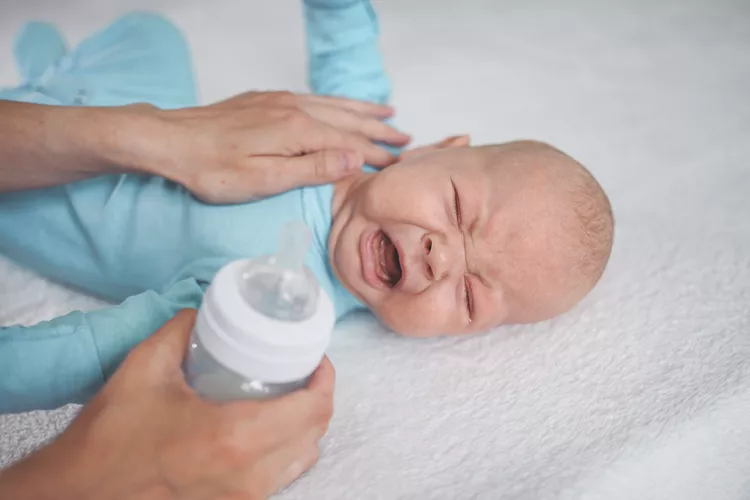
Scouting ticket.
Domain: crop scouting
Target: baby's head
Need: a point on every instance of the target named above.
(455, 239)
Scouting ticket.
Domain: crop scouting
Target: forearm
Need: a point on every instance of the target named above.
(42, 146)
(37, 477)
(70, 469)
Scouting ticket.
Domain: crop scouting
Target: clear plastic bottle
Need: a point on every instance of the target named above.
(263, 327)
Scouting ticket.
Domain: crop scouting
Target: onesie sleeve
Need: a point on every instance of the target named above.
(344, 58)
(68, 359)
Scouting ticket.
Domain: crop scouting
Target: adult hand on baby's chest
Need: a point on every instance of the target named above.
(262, 143)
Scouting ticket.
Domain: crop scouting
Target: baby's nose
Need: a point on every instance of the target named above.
(440, 257)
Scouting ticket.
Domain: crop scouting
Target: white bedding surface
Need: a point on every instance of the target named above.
(643, 391)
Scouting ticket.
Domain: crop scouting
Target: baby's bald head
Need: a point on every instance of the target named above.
(585, 224)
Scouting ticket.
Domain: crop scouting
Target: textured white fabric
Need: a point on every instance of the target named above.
(643, 391)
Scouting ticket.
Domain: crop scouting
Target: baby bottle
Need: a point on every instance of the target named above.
(263, 327)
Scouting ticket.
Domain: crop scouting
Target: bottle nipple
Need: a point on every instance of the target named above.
(281, 286)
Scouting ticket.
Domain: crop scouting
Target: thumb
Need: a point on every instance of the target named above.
(163, 352)
(321, 167)
(271, 175)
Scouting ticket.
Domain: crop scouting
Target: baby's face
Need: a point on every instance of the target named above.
(444, 243)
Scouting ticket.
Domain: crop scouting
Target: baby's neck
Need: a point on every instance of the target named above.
(345, 189)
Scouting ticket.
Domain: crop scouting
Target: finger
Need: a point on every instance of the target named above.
(260, 428)
(331, 138)
(312, 135)
(236, 99)
(456, 141)
(366, 126)
(277, 422)
(324, 379)
(323, 383)
(164, 351)
(312, 407)
(281, 467)
(286, 417)
(140, 106)
(363, 107)
(275, 174)
(376, 156)
(175, 333)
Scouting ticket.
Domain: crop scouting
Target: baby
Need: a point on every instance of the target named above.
(452, 239)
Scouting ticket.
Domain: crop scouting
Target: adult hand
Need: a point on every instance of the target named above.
(148, 435)
(252, 145)
(262, 143)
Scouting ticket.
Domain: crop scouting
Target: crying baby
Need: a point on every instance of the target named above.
(451, 239)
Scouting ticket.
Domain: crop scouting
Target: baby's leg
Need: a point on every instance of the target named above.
(344, 59)
(82, 233)
(140, 57)
(116, 236)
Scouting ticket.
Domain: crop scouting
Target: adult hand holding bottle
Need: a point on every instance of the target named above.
(148, 435)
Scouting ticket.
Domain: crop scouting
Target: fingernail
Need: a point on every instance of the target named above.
(455, 138)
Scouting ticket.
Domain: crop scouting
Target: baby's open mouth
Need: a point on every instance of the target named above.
(387, 261)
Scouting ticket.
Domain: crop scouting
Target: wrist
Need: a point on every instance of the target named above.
(127, 139)
(86, 141)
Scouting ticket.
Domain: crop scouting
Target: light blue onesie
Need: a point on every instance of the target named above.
(144, 240)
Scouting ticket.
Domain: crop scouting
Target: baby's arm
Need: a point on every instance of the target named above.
(343, 54)
(68, 359)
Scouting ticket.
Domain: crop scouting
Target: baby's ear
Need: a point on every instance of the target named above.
(457, 141)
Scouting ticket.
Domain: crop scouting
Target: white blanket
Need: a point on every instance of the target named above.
(643, 391)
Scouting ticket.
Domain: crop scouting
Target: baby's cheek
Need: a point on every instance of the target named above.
(415, 315)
